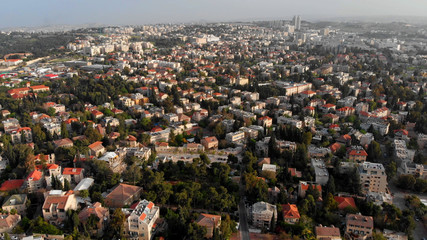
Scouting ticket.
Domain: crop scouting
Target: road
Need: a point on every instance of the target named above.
(399, 201)
(243, 218)
(243, 221)
(175, 157)
(27, 64)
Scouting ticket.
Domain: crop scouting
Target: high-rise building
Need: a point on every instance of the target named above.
(297, 22)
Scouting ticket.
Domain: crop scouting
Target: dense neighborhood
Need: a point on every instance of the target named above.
(261, 130)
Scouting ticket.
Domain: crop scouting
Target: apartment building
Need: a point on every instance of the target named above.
(17, 202)
(359, 226)
(140, 223)
(34, 181)
(235, 137)
(322, 174)
(373, 177)
(55, 207)
(261, 214)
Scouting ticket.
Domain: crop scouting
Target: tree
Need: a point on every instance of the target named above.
(420, 185)
(378, 236)
(66, 185)
(117, 224)
(92, 134)
(133, 173)
(306, 138)
(39, 225)
(331, 185)
(195, 231)
(219, 131)
(84, 193)
(92, 222)
(97, 197)
(330, 204)
(51, 111)
(227, 227)
(232, 159)
(64, 130)
(406, 181)
(374, 152)
(391, 169)
(6, 236)
(30, 164)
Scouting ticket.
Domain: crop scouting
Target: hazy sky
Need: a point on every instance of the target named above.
(52, 12)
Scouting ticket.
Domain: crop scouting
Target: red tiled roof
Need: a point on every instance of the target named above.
(95, 145)
(12, 184)
(344, 202)
(35, 175)
(356, 152)
(59, 200)
(329, 105)
(335, 147)
(156, 129)
(72, 171)
(305, 187)
(131, 138)
(290, 211)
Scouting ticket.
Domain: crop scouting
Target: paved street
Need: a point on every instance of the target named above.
(244, 228)
(175, 157)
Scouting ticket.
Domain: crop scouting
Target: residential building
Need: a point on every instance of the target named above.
(65, 142)
(327, 233)
(290, 213)
(141, 222)
(211, 222)
(122, 195)
(345, 202)
(97, 210)
(235, 137)
(209, 143)
(261, 214)
(4, 162)
(17, 202)
(321, 173)
(34, 181)
(115, 162)
(373, 177)
(96, 148)
(418, 170)
(73, 175)
(359, 226)
(8, 222)
(55, 207)
(269, 168)
(265, 121)
(303, 187)
(357, 154)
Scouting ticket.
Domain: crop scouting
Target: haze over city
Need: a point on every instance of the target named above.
(30, 13)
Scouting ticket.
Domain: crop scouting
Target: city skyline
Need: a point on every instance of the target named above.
(133, 12)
